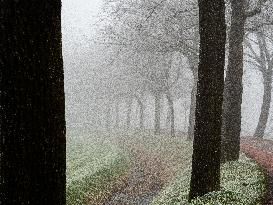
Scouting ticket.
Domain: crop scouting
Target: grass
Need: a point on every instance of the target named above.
(93, 166)
(242, 183)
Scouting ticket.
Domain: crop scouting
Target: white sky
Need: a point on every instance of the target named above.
(78, 16)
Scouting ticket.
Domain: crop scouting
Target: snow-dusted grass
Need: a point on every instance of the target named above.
(242, 183)
(93, 165)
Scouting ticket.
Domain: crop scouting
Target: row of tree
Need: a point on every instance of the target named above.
(144, 37)
(146, 34)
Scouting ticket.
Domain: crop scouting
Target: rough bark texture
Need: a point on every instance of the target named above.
(205, 176)
(267, 73)
(157, 113)
(233, 85)
(171, 108)
(32, 104)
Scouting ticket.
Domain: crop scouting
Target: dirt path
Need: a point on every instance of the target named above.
(154, 164)
(139, 189)
(262, 152)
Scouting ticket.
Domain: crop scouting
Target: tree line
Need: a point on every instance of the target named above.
(145, 39)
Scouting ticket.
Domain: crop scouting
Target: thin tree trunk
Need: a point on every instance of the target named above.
(117, 114)
(260, 129)
(267, 72)
(108, 116)
(157, 113)
(141, 114)
(129, 110)
(205, 175)
(233, 85)
(192, 109)
(33, 142)
(171, 108)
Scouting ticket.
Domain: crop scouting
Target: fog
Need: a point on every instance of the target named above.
(84, 73)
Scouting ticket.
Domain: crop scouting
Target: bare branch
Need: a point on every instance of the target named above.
(256, 10)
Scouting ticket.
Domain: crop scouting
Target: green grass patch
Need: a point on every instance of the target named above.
(242, 183)
(93, 166)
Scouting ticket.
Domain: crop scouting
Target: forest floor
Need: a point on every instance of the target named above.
(153, 165)
(262, 152)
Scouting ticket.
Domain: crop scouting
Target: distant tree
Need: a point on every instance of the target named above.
(154, 29)
(205, 175)
(32, 104)
(263, 62)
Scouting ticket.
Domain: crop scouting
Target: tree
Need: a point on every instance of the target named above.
(205, 175)
(32, 104)
(155, 29)
(233, 82)
(263, 62)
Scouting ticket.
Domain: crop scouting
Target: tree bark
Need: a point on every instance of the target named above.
(171, 108)
(233, 85)
(192, 108)
(205, 176)
(33, 143)
(157, 113)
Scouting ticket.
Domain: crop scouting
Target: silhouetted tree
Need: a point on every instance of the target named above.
(231, 128)
(233, 84)
(205, 176)
(32, 104)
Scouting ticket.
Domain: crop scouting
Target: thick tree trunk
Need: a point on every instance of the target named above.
(192, 109)
(260, 129)
(171, 108)
(129, 110)
(205, 176)
(157, 113)
(32, 104)
(233, 85)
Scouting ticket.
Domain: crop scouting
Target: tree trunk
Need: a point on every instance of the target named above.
(141, 117)
(205, 176)
(108, 116)
(129, 110)
(157, 113)
(192, 109)
(117, 114)
(233, 85)
(171, 108)
(260, 129)
(32, 104)
(267, 72)
(141, 114)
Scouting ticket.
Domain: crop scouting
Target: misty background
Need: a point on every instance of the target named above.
(85, 77)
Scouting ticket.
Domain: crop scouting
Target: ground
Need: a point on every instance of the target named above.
(156, 172)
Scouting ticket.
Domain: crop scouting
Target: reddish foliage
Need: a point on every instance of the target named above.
(264, 158)
(262, 152)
